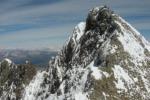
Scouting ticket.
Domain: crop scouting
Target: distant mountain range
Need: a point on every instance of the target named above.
(37, 57)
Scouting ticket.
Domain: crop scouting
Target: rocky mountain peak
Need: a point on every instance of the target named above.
(104, 59)
(100, 19)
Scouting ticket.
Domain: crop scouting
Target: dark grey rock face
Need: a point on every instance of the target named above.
(100, 19)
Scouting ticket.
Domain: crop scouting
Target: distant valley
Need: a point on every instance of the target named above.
(36, 57)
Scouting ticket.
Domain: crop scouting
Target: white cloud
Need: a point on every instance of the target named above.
(68, 12)
(37, 38)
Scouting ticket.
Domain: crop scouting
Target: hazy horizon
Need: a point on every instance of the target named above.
(37, 24)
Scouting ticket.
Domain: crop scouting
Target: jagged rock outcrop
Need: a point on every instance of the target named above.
(13, 79)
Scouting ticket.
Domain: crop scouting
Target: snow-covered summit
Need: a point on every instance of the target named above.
(105, 58)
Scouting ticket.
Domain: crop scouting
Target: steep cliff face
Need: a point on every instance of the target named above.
(104, 59)
(13, 79)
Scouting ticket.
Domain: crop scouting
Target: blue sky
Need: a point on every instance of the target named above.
(35, 24)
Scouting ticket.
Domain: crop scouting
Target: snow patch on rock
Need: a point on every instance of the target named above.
(79, 31)
(32, 90)
(96, 72)
(80, 96)
(8, 60)
(122, 77)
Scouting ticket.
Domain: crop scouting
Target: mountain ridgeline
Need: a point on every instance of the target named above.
(104, 59)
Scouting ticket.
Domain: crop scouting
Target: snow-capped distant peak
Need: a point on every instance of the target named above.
(8, 61)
